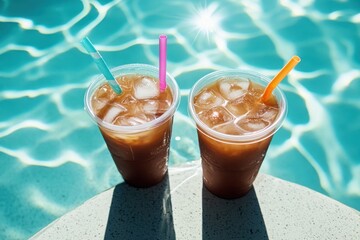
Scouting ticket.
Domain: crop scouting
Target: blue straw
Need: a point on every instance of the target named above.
(101, 64)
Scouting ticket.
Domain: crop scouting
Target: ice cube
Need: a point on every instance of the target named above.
(215, 116)
(155, 107)
(150, 107)
(105, 92)
(233, 88)
(267, 113)
(252, 124)
(101, 97)
(270, 114)
(241, 105)
(256, 89)
(126, 82)
(128, 99)
(229, 128)
(130, 120)
(146, 88)
(136, 121)
(113, 113)
(97, 104)
(208, 99)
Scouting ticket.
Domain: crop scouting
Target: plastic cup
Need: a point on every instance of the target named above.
(140, 152)
(230, 163)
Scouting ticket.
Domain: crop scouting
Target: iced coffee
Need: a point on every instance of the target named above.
(136, 124)
(234, 128)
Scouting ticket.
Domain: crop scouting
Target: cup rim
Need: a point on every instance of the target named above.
(250, 136)
(126, 70)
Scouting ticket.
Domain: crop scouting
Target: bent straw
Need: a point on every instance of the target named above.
(101, 64)
(162, 62)
(279, 77)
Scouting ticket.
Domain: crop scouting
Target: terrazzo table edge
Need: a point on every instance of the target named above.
(181, 208)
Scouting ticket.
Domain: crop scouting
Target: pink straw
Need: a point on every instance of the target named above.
(162, 62)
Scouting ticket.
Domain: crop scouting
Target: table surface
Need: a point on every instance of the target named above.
(181, 208)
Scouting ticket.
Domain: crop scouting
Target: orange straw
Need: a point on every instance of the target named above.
(279, 77)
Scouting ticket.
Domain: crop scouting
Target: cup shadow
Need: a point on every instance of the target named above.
(141, 213)
(232, 219)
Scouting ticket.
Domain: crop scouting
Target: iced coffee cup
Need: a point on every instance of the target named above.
(136, 124)
(234, 128)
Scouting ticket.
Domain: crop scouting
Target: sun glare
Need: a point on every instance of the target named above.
(207, 21)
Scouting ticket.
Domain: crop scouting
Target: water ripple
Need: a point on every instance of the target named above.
(44, 131)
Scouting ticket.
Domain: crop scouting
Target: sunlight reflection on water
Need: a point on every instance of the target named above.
(52, 155)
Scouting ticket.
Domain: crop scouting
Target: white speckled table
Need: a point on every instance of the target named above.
(180, 208)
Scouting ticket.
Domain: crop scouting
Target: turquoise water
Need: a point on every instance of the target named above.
(51, 154)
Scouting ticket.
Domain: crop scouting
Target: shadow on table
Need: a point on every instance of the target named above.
(232, 219)
(141, 213)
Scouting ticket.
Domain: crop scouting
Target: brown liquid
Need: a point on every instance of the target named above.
(231, 106)
(141, 157)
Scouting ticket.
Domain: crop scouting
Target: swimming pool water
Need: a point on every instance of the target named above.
(52, 157)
